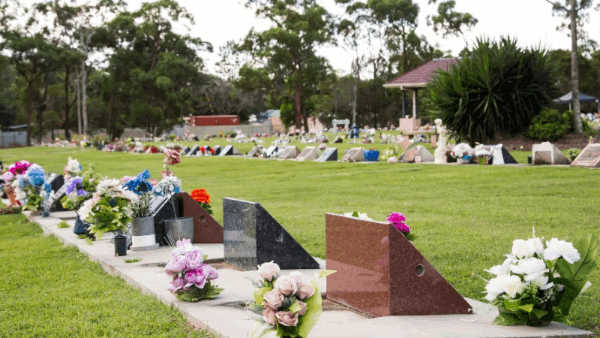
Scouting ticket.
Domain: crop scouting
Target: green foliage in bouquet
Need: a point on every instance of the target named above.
(90, 179)
(73, 201)
(33, 199)
(110, 214)
(194, 294)
(141, 208)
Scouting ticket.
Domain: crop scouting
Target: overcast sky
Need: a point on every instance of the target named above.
(531, 21)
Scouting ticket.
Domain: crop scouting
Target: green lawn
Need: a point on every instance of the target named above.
(465, 217)
(49, 290)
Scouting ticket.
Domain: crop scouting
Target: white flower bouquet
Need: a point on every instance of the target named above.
(538, 283)
(463, 153)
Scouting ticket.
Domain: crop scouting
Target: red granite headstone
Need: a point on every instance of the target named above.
(589, 157)
(380, 273)
(206, 229)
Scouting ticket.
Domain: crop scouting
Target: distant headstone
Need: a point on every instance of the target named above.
(185, 150)
(230, 151)
(500, 156)
(424, 154)
(290, 152)
(381, 273)
(217, 150)
(354, 155)
(272, 150)
(206, 229)
(162, 209)
(207, 150)
(308, 154)
(163, 149)
(547, 153)
(328, 155)
(409, 155)
(589, 157)
(252, 237)
(194, 151)
(255, 152)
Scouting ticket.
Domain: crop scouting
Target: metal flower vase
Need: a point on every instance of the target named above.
(80, 227)
(143, 237)
(180, 228)
(120, 245)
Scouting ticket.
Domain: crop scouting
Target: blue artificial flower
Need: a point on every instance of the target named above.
(467, 157)
(144, 175)
(177, 189)
(36, 176)
(112, 202)
(72, 184)
(139, 185)
(81, 193)
(48, 188)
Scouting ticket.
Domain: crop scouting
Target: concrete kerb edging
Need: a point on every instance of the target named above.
(115, 271)
(231, 322)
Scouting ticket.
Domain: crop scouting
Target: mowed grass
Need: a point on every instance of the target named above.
(465, 217)
(49, 290)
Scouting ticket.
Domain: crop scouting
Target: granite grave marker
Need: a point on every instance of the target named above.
(272, 150)
(230, 151)
(547, 153)
(381, 273)
(589, 157)
(206, 229)
(193, 151)
(252, 237)
(289, 153)
(217, 150)
(309, 154)
(328, 155)
(354, 155)
(162, 209)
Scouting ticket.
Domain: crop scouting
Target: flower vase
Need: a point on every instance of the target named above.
(46, 210)
(80, 227)
(143, 237)
(180, 228)
(10, 191)
(120, 245)
(483, 160)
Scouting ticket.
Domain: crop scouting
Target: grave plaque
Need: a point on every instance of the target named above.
(589, 157)
(252, 237)
(162, 209)
(330, 154)
(290, 152)
(217, 150)
(381, 273)
(272, 150)
(56, 181)
(425, 155)
(309, 153)
(354, 155)
(185, 150)
(194, 151)
(255, 152)
(207, 150)
(409, 155)
(230, 151)
(547, 153)
(500, 156)
(206, 229)
(59, 187)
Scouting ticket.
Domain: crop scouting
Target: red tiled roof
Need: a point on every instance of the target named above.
(419, 77)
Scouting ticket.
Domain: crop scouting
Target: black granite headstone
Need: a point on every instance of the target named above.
(162, 209)
(272, 151)
(57, 182)
(194, 151)
(330, 154)
(255, 152)
(230, 151)
(506, 156)
(252, 237)
(185, 150)
(217, 150)
(207, 150)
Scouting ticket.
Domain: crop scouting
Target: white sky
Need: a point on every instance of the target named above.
(530, 21)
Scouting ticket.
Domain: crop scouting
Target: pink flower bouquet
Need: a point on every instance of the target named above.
(398, 221)
(288, 305)
(192, 279)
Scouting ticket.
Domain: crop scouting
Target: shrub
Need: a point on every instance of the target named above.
(550, 125)
(498, 87)
(172, 137)
(573, 153)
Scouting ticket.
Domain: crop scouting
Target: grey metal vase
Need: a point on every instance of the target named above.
(142, 234)
(180, 228)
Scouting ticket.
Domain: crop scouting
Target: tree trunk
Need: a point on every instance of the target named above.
(40, 120)
(78, 90)
(67, 105)
(29, 111)
(84, 97)
(297, 101)
(110, 116)
(575, 70)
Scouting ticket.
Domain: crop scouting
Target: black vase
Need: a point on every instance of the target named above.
(120, 245)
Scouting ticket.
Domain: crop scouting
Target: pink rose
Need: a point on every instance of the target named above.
(210, 272)
(286, 318)
(268, 271)
(273, 299)
(303, 308)
(396, 217)
(182, 242)
(306, 290)
(8, 176)
(286, 285)
(297, 277)
(196, 278)
(193, 260)
(176, 285)
(269, 316)
(175, 266)
(402, 227)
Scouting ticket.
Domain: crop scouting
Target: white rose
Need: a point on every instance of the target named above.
(542, 282)
(513, 286)
(495, 287)
(537, 245)
(522, 249)
(268, 271)
(286, 285)
(529, 266)
(501, 270)
(556, 248)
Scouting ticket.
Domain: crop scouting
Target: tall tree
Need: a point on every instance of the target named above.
(574, 11)
(285, 59)
(449, 21)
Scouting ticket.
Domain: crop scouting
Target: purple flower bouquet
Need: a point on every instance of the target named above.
(192, 279)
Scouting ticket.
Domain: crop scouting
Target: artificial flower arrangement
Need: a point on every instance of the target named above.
(482, 154)
(107, 210)
(192, 279)
(29, 187)
(398, 221)
(203, 198)
(142, 187)
(389, 153)
(72, 169)
(464, 152)
(359, 215)
(288, 305)
(537, 284)
(79, 189)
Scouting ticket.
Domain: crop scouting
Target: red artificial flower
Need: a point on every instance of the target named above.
(201, 196)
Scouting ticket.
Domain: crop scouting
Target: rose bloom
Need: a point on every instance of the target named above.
(175, 266)
(201, 196)
(303, 308)
(268, 271)
(269, 316)
(287, 318)
(306, 290)
(297, 277)
(273, 299)
(557, 248)
(286, 285)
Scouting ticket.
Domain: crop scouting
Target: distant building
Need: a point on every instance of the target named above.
(213, 120)
(272, 118)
